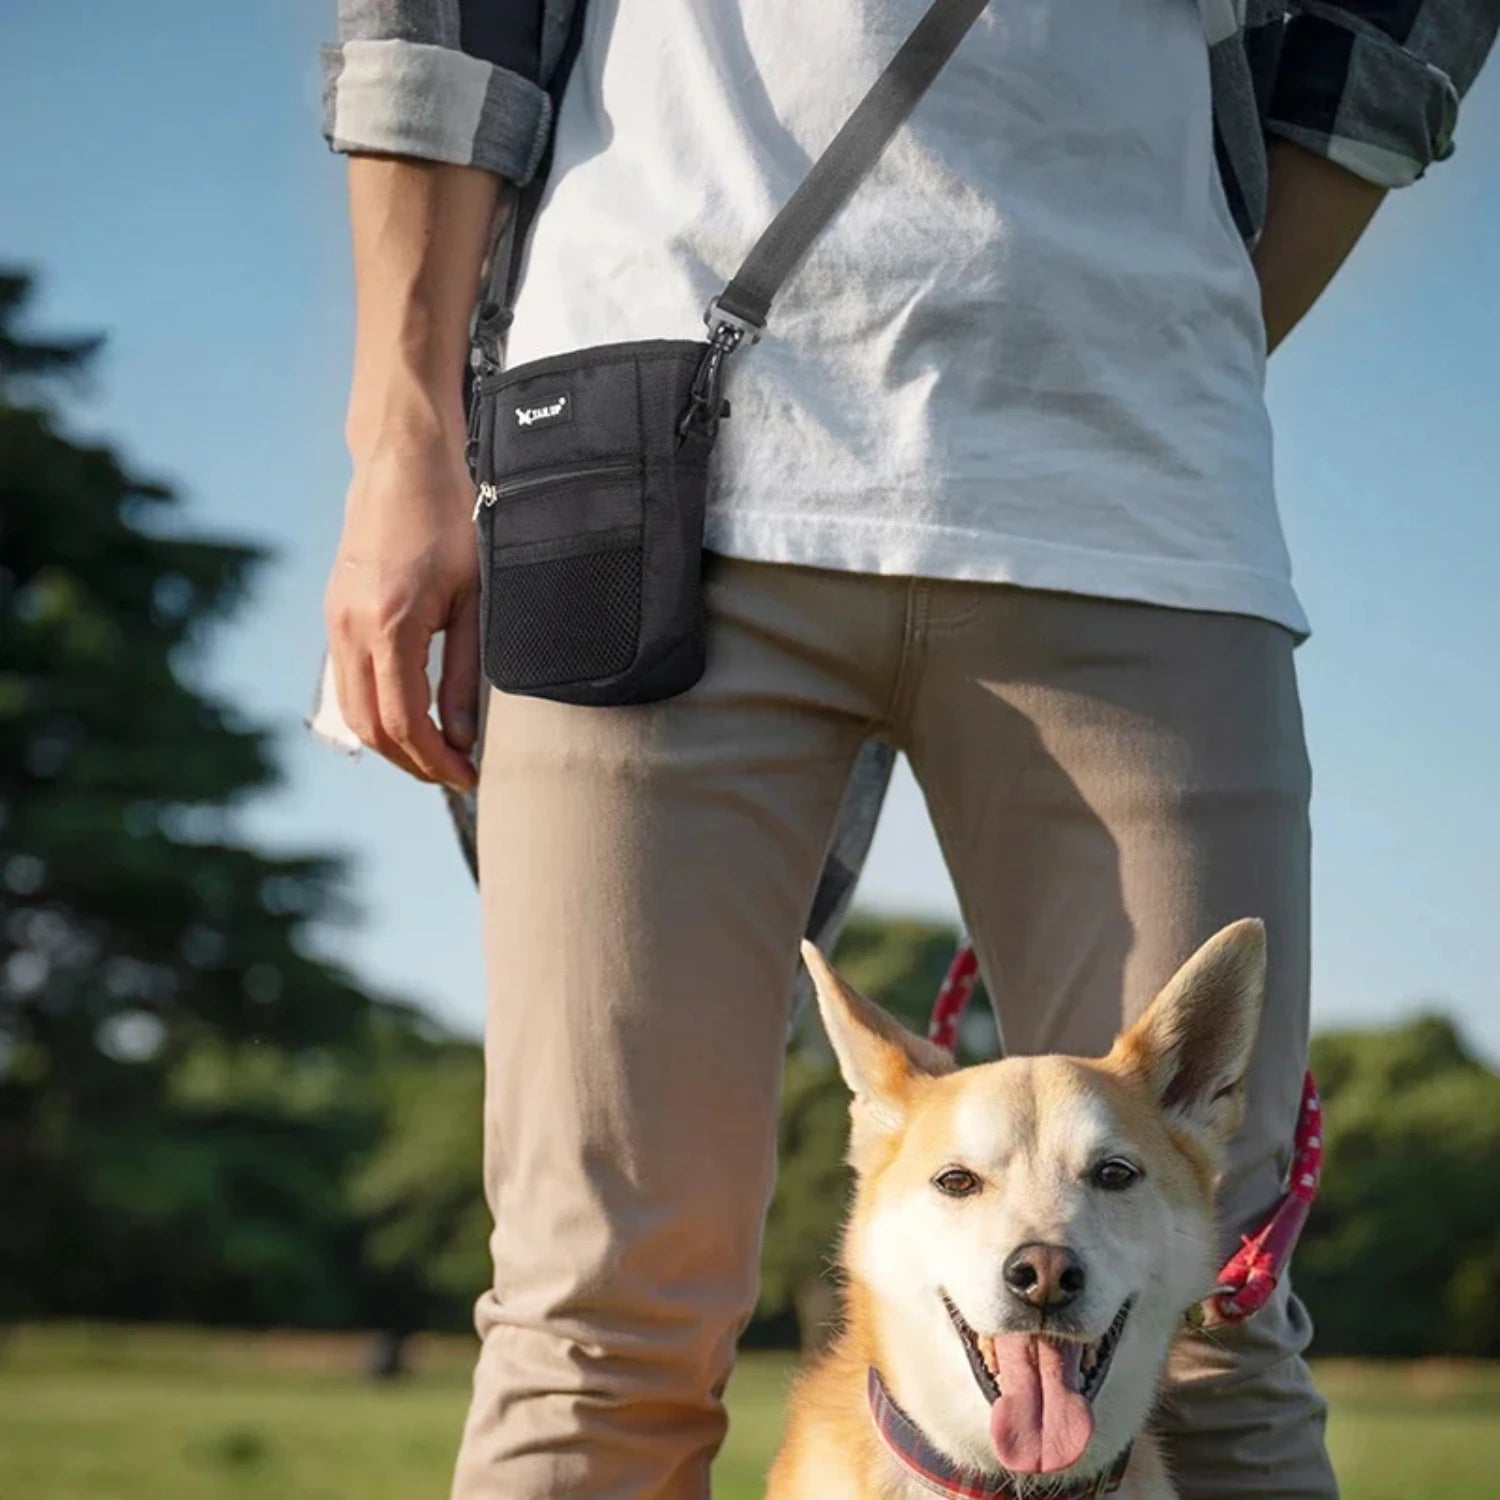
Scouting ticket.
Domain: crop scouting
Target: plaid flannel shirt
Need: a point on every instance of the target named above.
(1373, 85)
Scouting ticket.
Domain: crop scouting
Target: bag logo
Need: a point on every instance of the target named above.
(546, 414)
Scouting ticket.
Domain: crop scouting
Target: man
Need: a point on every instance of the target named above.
(996, 491)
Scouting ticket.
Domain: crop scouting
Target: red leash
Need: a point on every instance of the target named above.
(1251, 1273)
(953, 998)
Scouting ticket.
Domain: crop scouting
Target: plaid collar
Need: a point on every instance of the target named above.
(930, 1468)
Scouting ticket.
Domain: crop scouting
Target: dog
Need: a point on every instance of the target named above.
(1026, 1239)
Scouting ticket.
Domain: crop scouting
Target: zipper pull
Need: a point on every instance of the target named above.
(486, 497)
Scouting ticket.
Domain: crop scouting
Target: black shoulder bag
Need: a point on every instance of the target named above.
(592, 467)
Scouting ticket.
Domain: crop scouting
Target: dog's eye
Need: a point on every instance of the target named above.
(956, 1182)
(1116, 1174)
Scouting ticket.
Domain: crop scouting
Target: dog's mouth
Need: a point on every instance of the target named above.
(1040, 1388)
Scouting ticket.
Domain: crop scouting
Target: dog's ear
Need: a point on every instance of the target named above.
(1193, 1044)
(879, 1058)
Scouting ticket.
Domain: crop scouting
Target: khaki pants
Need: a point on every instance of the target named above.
(1110, 782)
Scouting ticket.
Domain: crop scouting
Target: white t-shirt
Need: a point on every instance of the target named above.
(1027, 350)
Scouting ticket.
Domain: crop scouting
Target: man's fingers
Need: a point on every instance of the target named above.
(458, 691)
(354, 682)
(372, 731)
(355, 685)
(405, 701)
(357, 713)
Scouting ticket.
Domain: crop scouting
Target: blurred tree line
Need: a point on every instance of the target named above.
(202, 1120)
(185, 1089)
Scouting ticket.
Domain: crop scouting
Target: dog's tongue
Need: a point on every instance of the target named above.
(1041, 1423)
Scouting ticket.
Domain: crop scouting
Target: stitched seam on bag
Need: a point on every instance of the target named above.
(640, 419)
(556, 549)
(646, 528)
(553, 364)
(632, 466)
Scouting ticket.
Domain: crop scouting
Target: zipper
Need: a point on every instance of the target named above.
(483, 366)
(491, 494)
(471, 440)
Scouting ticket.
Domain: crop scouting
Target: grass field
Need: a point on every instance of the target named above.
(120, 1414)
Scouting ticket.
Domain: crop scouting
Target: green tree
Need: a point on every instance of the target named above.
(420, 1191)
(798, 1257)
(138, 934)
(1401, 1257)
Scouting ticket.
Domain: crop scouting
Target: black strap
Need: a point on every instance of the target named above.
(493, 315)
(531, 195)
(851, 154)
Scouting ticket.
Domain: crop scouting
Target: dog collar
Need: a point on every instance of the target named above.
(938, 1473)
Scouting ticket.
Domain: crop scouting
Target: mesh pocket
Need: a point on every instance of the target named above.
(565, 619)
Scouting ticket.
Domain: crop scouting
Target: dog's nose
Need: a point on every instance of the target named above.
(1046, 1276)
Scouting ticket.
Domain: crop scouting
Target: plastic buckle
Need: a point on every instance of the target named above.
(716, 318)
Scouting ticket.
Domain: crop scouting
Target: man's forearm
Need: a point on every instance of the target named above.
(420, 231)
(1315, 214)
(406, 567)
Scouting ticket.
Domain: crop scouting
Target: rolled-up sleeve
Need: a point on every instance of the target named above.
(1375, 85)
(441, 80)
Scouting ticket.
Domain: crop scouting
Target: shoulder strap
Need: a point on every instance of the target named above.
(850, 155)
(531, 195)
(746, 301)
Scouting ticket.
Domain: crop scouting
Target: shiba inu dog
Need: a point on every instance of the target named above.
(1025, 1240)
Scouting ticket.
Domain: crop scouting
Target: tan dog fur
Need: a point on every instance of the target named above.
(1032, 1131)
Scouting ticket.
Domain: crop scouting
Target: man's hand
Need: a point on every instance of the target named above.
(407, 567)
(1315, 214)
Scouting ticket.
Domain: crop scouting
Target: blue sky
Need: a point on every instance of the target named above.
(165, 173)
